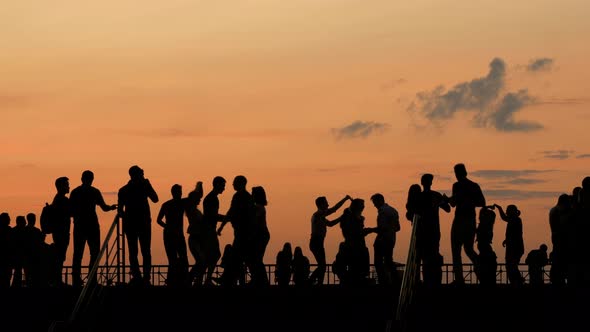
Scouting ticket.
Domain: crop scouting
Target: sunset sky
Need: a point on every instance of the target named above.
(306, 98)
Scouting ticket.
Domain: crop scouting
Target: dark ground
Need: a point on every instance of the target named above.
(329, 308)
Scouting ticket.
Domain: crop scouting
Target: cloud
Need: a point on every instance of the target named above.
(184, 133)
(392, 84)
(540, 64)
(360, 129)
(562, 101)
(110, 193)
(518, 194)
(482, 96)
(583, 156)
(557, 154)
(471, 96)
(502, 118)
(507, 174)
(524, 181)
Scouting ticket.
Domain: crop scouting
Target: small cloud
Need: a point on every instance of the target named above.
(557, 154)
(360, 129)
(392, 84)
(507, 174)
(583, 156)
(524, 181)
(518, 194)
(540, 64)
(561, 101)
(110, 193)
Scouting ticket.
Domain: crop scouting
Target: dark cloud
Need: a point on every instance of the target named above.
(360, 129)
(562, 101)
(475, 95)
(583, 156)
(502, 118)
(524, 181)
(507, 174)
(518, 194)
(540, 64)
(557, 154)
(481, 96)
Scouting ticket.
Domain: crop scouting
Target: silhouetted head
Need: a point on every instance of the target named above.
(487, 215)
(176, 191)
(62, 185)
(414, 192)
(378, 200)
(586, 183)
(4, 219)
(322, 203)
(87, 177)
(218, 184)
(240, 183)
(460, 171)
(21, 221)
(287, 247)
(135, 172)
(426, 181)
(512, 211)
(575, 198)
(259, 195)
(31, 219)
(357, 206)
(564, 201)
(543, 247)
(298, 252)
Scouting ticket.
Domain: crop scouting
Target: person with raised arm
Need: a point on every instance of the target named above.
(319, 227)
(513, 243)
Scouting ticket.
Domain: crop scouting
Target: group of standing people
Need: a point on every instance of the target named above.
(23, 247)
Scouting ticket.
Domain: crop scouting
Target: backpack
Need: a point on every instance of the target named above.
(46, 219)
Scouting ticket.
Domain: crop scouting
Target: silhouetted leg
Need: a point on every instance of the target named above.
(456, 252)
(145, 242)
(316, 246)
(132, 244)
(182, 260)
(93, 246)
(512, 269)
(213, 255)
(79, 244)
(61, 241)
(170, 249)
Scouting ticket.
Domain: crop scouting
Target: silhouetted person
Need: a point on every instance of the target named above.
(356, 252)
(284, 265)
(196, 228)
(19, 250)
(514, 242)
(559, 216)
(209, 238)
(466, 196)
(61, 224)
(34, 250)
(260, 237)
(576, 240)
(241, 215)
(228, 277)
(319, 227)
(536, 261)
(428, 231)
(5, 250)
(134, 208)
(84, 200)
(300, 268)
(413, 201)
(488, 262)
(171, 218)
(584, 222)
(387, 227)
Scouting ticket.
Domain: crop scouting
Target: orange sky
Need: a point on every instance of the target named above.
(190, 90)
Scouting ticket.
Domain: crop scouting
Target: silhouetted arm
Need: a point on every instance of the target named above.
(151, 192)
(453, 199)
(103, 205)
(337, 205)
(502, 214)
(444, 205)
(480, 200)
(161, 214)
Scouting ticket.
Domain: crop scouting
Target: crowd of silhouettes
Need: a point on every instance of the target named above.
(26, 255)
